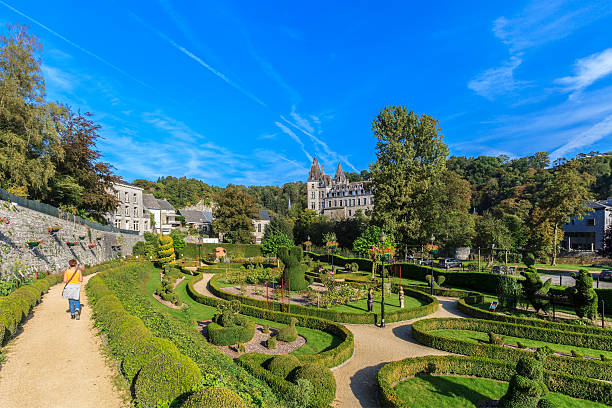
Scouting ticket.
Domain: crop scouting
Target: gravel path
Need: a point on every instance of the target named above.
(374, 347)
(57, 362)
(202, 286)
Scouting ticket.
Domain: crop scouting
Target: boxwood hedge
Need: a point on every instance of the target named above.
(226, 336)
(214, 397)
(344, 317)
(422, 332)
(328, 358)
(393, 373)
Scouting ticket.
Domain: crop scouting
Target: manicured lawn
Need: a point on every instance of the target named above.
(475, 336)
(316, 341)
(391, 304)
(467, 392)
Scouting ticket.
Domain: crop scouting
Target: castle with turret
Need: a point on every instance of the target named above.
(336, 197)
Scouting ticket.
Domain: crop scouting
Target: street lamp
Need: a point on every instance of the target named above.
(383, 238)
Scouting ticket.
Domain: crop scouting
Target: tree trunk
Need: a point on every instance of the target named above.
(554, 255)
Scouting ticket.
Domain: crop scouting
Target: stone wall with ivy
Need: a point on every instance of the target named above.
(31, 241)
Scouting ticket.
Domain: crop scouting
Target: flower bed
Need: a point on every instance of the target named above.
(391, 374)
(33, 243)
(53, 229)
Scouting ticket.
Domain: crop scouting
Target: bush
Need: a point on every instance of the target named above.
(165, 378)
(283, 365)
(495, 339)
(130, 339)
(265, 329)
(226, 336)
(288, 333)
(526, 386)
(271, 343)
(576, 354)
(214, 397)
(295, 271)
(322, 380)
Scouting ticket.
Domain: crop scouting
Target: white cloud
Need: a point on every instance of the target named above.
(586, 138)
(497, 81)
(59, 79)
(588, 70)
(295, 137)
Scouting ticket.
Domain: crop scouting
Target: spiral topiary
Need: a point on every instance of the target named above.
(165, 378)
(165, 251)
(214, 397)
(323, 383)
(283, 365)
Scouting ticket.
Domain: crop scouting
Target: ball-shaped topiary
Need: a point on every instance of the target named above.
(143, 352)
(288, 333)
(283, 365)
(165, 378)
(322, 380)
(214, 397)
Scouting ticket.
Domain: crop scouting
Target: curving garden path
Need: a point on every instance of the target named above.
(356, 381)
(57, 362)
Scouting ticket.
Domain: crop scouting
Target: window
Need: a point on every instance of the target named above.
(117, 223)
(590, 222)
(136, 226)
(127, 211)
(312, 195)
(322, 204)
(135, 211)
(127, 224)
(127, 197)
(349, 213)
(329, 204)
(312, 206)
(135, 198)
(258, 227)
(335, 203)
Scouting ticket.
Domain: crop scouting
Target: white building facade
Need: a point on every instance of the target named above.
(130, 214)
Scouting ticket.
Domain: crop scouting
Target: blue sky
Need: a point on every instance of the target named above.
(246, 92)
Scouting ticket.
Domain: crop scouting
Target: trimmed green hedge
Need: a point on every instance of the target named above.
(343, 317)
(328, 358)
(214, 397)
(226, 336)
(255, 363)
(393, 373)
(322, 380)
(283, 365)
(161, 372)
(478, 313)
(340, 261)
(598, 369)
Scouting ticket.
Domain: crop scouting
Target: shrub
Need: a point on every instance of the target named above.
(576, 354)
(529, 259)
(283, 365)
(265, 329)
(165, 378)
(300, 395)
(271, 343)
(288, 333)
(495, 339)
(214, 397)
(240, 347)
(226, 336)
(322, 380)
(526, 386)
(583, 295)
(132, 338)
(295, 271)
(144, 352)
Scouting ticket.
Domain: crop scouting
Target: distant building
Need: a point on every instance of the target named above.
(336, 198)
(130, 214)
(586, 233)
(163, 214)
(260, 223)
(200, 220)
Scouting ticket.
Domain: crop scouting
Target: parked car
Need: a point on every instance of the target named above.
(606, 275)
(425, 261)
(501, 270)
(448, 263)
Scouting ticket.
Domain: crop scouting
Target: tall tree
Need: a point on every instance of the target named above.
(80, 168)
(233, 215)
(565, 196)
(28, 127)
(456, 225)
(406, 177)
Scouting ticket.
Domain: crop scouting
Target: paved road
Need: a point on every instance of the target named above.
(563, 278)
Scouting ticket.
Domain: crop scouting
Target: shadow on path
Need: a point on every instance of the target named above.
(364, 385)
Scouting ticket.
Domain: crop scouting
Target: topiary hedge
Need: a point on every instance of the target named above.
(165, 378)
(288, 333)
(214, 397)
(242, 332)
(322, 380)
(143, 352)
(329, 358)
(283, 365)
(422, 332)
(344, 317)
(391, 374)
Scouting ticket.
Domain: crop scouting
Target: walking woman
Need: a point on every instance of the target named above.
(72, 291)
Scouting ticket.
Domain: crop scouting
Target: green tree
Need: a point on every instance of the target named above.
(29, 139)
(455, 225)
(565, 196)
(271, 243)
(407, 175)
(533, 288)
(279, 225)
(233, 215)
(491, 231)
(178, 242)
(606, 249)
(508, 292)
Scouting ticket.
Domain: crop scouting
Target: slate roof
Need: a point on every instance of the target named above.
(150, 202)
(195, 216)
(165, 205)
(263, 215)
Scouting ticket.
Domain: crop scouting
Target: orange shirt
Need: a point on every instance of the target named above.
(68, 273)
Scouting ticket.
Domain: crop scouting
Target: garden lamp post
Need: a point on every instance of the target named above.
(383, 238)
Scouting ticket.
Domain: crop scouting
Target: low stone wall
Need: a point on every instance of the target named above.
(53, 253)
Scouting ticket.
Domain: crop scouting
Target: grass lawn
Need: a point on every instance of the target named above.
(467, 392)
(391, 304)
(316, 341)
(475, 336)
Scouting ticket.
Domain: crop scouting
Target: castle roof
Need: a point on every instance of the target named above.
(315, 170)
(340, 177)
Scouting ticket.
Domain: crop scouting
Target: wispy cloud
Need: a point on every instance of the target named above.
(197, 59)
(58, 78)
(586, 138)
(497, 81)
(75, 45)
(588, 70)
(295, 137)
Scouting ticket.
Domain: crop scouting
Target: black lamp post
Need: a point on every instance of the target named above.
(383, 238)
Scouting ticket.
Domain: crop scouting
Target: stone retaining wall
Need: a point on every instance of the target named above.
(53, 254)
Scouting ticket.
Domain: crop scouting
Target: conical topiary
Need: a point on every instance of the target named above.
(165, 251)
